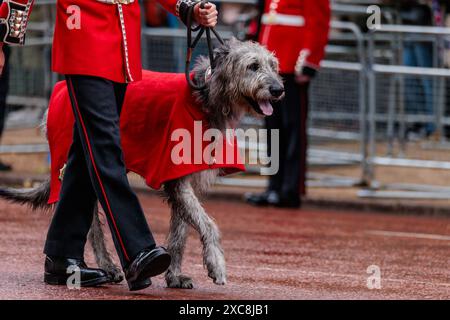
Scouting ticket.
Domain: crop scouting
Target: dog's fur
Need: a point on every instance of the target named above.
(243, 75)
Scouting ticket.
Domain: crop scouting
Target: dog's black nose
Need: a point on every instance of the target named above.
(276, 90)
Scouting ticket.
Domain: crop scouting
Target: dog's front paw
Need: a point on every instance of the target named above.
(214, 261)
(179, 281)
(116, 277)
(219, 277)
(114, 273)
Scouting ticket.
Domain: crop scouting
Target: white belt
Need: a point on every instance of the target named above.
(283, 19)
(116, 1)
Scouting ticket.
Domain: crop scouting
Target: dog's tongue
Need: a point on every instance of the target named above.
(266, 107)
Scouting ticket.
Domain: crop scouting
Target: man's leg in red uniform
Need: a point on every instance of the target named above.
(274, 122)
(74, 209)
(272, 194)
(96, 105)
(304, 108)
(290, 118)
(293, 115)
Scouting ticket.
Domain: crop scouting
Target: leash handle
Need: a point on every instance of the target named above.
(192, 44)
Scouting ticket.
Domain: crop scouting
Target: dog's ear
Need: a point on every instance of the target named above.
(233, 40)
(222, 51)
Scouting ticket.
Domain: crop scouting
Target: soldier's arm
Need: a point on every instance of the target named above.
(317, 18)
(14, 15)
(180, 8)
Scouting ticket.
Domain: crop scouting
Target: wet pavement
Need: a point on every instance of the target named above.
(271, 254)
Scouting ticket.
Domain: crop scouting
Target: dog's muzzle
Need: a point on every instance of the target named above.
(265, 107)
(276, 91)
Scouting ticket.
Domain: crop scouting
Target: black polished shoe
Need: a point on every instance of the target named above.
(58, 270)
(262, 199)
(292, 201)
(5, 167)
(147, 264)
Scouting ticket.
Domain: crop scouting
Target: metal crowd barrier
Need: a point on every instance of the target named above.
(400, 98)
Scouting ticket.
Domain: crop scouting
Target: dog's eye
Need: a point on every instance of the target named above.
(254, 66)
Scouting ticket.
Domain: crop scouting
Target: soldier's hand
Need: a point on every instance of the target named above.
(302, 78)
(207, 16)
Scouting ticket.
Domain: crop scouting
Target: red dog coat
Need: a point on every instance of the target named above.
(153, 109)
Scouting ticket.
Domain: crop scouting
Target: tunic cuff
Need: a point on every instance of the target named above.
(182, 8)
(13, 21)
(308, 71)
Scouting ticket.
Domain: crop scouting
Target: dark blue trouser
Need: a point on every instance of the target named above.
(290, 118)
(96, 171)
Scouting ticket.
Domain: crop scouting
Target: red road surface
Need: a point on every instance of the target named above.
(271, 254)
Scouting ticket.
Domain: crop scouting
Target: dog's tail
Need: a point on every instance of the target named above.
(36, 198)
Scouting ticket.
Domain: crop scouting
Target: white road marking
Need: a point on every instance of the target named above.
(408, 235)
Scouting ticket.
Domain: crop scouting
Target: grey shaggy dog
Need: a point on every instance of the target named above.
(245, 79)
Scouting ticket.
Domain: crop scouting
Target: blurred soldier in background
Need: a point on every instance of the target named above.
(297, 32)
(4, 88)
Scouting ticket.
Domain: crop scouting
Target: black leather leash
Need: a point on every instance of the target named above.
(192, 44)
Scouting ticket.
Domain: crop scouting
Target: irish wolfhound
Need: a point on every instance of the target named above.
(244, 79)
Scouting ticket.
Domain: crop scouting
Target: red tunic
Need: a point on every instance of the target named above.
(292, 27)
(98, 47)
(91, 37)
(153, 109)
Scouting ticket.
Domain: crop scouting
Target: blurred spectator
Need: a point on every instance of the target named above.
(418, 91)
(438, 12)
(241, 17)
(441, 9)
(297, 32)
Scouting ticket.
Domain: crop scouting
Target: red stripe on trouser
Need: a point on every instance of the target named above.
(96, 171)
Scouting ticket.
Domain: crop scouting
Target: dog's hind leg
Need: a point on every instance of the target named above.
(193, 213)
(102, 256)
(176, 240)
